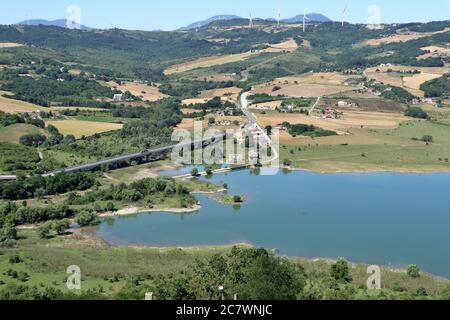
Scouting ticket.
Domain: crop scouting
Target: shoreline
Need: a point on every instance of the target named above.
(328, 260)
(367, 171)
(131, 211)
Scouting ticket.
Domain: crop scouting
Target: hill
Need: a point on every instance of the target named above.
(56, 23)
(203, 23)
(312, 17)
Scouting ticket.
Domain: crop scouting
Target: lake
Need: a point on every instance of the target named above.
(381, 218)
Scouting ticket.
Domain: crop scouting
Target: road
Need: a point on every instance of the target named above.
(314, 106)
(253, 123)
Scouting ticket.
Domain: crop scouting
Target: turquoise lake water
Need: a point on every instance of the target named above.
(381, 218)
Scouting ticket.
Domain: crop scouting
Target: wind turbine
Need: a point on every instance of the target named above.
(278, 19)
(344, 14)
(304, 21)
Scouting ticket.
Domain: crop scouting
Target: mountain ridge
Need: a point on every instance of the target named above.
(311, 17)
(62, 23)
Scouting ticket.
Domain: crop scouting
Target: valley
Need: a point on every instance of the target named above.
(90, 168)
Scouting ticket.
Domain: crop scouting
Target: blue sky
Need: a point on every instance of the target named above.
(172, 14)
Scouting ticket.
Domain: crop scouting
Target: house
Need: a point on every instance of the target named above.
(118, 97)
(342, 104)
(330, 113)
(227, 112)
(281, 127)
(286, 109)
(257, 107)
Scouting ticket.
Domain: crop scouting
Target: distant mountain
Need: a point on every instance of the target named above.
(312, 17)
(203, 23)
(57, 23)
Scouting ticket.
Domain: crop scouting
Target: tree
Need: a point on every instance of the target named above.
(416, 112)
(340, 271)
(194, 172)
(110, 207)
(44, 230)
(413, 271)
(427, 138)
(32, 140)
(8, 233)
(87, 218)
(237, 199)
(61, 226)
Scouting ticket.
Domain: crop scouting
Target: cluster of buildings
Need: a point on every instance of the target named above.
(417, 101)
(222, 123)
(343, 104)
(226, 112)
(269, 108)
(287, 109)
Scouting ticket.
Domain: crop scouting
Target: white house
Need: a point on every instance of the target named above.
(118, 97)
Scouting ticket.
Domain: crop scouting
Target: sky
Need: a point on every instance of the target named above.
(173, 14)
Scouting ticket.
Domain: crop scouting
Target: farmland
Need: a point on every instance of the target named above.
(208, 62)
(138, 89)
(13, 133)
(16, 106)
(83, 128)
(403, 36)
(366, 150)
(309, 85)
(398, 76)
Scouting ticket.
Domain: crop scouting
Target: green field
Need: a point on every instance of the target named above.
(392, 150)
(109, 270)
(13, 133)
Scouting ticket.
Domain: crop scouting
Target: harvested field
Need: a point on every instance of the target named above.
(188, 124)
(13, 133)
(287, 46)
(80, 128)
(210, 77)
(16, 106)
(140, 89)
(434, 50)
(403, 37)
(273, 104)
(302, 90)
(350, 119)
(208, 62)
(230, 94)
(309, 85)
(194, 101)
(10, 45)
(410, 82)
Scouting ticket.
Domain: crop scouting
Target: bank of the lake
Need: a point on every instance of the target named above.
(389, 219)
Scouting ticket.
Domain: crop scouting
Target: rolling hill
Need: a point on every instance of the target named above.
(57, 23)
